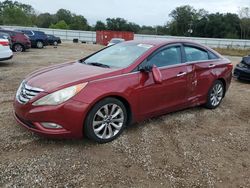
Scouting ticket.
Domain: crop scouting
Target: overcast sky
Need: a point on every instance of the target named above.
(143, 12)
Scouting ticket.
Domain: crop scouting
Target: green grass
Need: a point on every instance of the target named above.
(233, 52)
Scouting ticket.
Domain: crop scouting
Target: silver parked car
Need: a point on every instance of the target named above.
(114, 41)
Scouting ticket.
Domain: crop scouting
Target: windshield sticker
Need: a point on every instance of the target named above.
(145, 46)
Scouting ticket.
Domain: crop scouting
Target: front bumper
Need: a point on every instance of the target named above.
(69, 115)
(242, 73)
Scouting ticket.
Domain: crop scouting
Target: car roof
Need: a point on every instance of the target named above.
(31, 30)
(6, 30)
(163, 42)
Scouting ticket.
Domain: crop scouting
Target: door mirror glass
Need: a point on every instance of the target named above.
(157, 75)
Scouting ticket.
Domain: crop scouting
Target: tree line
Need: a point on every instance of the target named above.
(184, 21)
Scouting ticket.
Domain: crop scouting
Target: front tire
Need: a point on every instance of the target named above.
(106, 120)
(39, 44)
(215, 95)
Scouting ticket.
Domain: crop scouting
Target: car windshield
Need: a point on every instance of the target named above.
(119, 56)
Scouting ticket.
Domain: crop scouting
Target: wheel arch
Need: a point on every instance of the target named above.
(224, 85)
(118, 97)
(15, 43)
(127, 105)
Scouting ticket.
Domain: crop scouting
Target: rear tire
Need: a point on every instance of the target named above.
(106, 120)
(18, 48)
(215, 95)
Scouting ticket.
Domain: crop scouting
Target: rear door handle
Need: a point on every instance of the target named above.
(181, 74)
(211, 66)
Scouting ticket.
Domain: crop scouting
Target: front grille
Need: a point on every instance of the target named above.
(25, 93)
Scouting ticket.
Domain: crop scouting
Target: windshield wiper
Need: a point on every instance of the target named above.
(98, 64)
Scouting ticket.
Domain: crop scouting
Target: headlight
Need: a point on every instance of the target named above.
(60, 96)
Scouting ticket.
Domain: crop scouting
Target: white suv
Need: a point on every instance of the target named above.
(5, 51)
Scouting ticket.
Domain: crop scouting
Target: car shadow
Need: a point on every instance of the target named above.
(6, 63)
(81, 142)
(43, 141)
(242, 81)
(64, 141)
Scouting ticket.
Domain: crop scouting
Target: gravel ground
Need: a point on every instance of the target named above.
(191, 148)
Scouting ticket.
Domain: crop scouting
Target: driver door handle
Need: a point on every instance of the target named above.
(211, 66)
(181, 74)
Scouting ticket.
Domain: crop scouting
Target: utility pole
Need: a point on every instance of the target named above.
(190, 30)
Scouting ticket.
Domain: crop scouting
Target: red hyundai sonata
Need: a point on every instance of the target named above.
(99, 95)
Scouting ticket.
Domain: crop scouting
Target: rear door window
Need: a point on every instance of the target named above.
(195, 54)
(29, 33)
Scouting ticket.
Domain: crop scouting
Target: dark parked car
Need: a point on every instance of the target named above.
(53, 40)
(242, 70)
(20, 42)
(99, 95)
(38, 38)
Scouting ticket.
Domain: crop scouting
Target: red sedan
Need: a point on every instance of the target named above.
(99, 95)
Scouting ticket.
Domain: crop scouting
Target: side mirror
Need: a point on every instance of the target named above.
(157, 75)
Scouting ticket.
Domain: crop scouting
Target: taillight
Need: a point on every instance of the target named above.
(230, 66)
(13, 38)
(26, 36)
(4, 43)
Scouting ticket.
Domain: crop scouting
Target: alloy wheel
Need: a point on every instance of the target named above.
(39, 44)
(108, 121)
(216, 94)
(18, 48)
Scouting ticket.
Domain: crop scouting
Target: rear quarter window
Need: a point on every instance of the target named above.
(39, 32)
(212, 55)
(29, 33)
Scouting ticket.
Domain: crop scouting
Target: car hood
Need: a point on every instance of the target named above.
(67, 74)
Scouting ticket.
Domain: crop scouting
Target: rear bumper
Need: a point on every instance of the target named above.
(27, 45)
(7, 58)
(242, 73)
(6, 54)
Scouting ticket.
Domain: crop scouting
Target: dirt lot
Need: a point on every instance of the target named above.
(191, 148)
